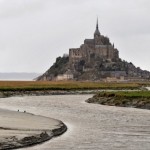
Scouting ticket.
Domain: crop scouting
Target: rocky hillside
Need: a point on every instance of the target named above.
(101, 69)
(59, 67)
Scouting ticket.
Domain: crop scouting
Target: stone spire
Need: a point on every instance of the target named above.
(97, 33)
(97, 25)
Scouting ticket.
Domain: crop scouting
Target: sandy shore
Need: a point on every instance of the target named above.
(21, 129)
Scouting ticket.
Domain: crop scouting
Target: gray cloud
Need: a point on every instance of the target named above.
(14, 8)
(34, 32)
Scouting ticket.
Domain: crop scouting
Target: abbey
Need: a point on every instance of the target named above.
(95, 60)
(97, 48)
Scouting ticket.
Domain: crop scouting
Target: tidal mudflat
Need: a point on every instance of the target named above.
(90, 126)
(21, 129)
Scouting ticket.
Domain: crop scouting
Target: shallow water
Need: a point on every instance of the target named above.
(90, 126)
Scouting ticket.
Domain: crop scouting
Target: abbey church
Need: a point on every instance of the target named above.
(95, 60)
(97, 48)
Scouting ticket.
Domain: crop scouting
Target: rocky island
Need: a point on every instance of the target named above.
(95, 60)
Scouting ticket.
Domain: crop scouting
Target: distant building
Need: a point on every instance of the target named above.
(115, 79)
(97, 48)
(66, 76)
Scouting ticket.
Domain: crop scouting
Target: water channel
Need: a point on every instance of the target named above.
(90, 126)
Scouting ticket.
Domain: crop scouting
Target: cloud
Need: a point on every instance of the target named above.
(15, 8)
(34, 32)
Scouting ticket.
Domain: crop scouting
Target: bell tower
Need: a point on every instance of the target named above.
(97, 35)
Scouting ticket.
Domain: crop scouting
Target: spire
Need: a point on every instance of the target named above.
(97, 33)
(97, 24)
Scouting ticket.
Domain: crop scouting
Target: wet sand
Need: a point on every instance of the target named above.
(21, 129)
(90, 126)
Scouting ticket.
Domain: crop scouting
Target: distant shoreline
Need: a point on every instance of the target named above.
(5, 94)
(44, 93)
(18, 76)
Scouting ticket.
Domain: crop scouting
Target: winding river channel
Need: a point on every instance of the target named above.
(90, 126)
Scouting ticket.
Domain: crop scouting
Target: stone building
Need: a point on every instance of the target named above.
(66, 76)
(98, 48)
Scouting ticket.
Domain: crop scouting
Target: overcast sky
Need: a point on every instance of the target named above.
(34, 32)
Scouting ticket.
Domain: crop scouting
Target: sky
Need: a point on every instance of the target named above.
(34, 32)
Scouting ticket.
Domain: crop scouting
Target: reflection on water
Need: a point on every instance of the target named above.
(90, 126)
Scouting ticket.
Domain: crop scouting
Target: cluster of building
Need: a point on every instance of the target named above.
(97, 48)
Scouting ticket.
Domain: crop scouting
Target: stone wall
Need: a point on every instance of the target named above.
(99, 47)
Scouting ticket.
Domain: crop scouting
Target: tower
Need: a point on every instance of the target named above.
(97, 33)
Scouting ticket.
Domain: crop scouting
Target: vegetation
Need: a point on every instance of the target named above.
(63, 85)
(137, 99)
(125, 94)
(60, 66)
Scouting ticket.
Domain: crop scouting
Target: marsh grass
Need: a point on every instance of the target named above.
(125, 94)
(135, 99)
(62, 85)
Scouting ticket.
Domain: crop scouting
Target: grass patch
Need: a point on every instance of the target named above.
(125, 94)
(136, 99)
(63, 85)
